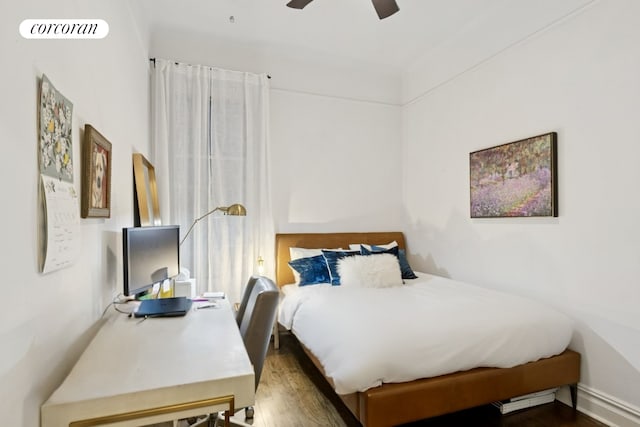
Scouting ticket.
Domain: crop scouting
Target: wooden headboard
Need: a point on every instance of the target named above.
(284, 275)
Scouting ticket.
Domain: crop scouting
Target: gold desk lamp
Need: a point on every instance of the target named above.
(235, 210)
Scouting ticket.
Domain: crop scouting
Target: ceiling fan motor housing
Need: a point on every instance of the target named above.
(384, 8)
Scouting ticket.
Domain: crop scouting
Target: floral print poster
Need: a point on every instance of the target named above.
(60, 224)
(56, 153)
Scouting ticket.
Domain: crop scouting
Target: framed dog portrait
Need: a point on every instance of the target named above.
(96, 175)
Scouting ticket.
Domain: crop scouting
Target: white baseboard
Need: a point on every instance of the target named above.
(602, 407)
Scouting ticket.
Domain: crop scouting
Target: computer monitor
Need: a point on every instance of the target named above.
(150, 255)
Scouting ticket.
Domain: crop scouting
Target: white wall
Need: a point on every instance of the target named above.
(335, 134)
(336, 164)
(579, 78)
(46, 320)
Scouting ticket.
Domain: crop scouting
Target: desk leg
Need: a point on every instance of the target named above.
(227, 416)
(276, 336)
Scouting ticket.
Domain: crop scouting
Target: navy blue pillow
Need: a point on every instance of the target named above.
(332, 258)
(405, 268)
(313, 270)
(378, 250)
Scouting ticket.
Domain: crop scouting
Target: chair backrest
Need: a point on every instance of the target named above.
(256, 323)
(245, 298)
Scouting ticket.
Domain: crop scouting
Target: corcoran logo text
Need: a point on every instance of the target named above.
(64, 28)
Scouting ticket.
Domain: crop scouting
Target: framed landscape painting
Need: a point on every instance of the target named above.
(518, 179)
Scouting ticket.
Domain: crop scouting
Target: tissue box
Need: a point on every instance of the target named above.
(185, 288)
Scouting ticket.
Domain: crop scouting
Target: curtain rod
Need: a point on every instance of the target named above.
(178, 63)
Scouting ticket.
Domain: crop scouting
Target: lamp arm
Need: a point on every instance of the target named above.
(196, 221)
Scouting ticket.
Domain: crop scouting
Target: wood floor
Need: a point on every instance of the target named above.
(292, 393)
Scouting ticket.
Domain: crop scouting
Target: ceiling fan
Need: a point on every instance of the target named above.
(384, 8)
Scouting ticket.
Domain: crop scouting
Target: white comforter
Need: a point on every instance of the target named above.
(431, 326)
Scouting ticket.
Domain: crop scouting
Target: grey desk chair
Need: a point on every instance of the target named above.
(246, 293)
(256, 321)
(242, 306)
(255, 316)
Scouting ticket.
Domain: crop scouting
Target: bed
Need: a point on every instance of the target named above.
(400, 401)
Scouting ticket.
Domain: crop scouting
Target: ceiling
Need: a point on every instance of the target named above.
(351, 29)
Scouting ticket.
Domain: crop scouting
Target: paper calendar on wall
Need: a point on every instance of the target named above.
(59, 235)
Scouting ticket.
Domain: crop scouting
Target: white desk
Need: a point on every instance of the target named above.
(140, 372)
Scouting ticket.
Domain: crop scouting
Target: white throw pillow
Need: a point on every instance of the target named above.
(370, 271)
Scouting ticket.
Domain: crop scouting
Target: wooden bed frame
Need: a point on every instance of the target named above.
(393, 404)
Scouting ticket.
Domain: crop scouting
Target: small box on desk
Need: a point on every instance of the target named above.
(185, 288)
(214, 295)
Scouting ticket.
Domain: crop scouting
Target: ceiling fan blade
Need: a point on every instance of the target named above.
(298, 4)
(385, 8)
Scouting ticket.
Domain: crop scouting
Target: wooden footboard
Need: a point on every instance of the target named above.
(394, 404)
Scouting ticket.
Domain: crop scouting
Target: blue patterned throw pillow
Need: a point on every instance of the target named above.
(379, 250)
(332, 258)
(312, 270)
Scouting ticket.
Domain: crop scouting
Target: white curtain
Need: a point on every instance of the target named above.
(210, 139)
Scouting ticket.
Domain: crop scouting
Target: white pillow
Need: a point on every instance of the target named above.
(356, 246)
(370, 271)
(297, 253)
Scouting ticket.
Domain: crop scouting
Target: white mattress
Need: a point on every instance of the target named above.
(431, 326)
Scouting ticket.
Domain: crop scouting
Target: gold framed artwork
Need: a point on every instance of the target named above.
(147, 208)
(96, 175)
